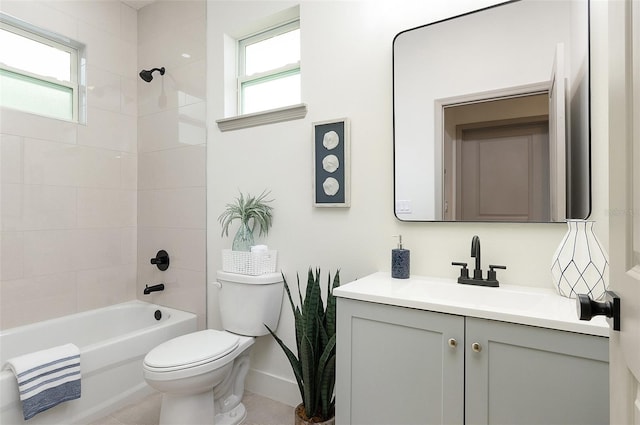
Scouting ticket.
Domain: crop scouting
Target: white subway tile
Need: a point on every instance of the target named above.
(43, 15)
(182, 208)
(174, 49)
(158, 131)
(102, 15)
(48, 252)
(128, 170)
(104, 50)
(34, 126)
(48, 207)
(34, 299)
(95, 248)
(129, 246)
(183, 84)
(129, 96)
(128, 23)
(166, 16)
(61, 164)
(108, 130)
(103, 89)
(173, 168)
(11, 255)
(11, 206)
(11, 158)
(102, 287)
(106, 208)
(186, 247)
(49, 162)
(192, 127)
(184, 290)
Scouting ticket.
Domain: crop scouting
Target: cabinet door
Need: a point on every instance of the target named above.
(395, 365)
(525, 375)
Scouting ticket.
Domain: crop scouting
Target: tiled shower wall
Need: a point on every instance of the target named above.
(171, 153)
(68, 193)
(84, 207)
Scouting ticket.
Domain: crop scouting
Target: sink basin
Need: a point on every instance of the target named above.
(511, 303)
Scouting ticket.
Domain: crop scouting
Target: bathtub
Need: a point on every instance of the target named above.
(112, 341)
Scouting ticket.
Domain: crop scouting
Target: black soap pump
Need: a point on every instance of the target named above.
(400, 261)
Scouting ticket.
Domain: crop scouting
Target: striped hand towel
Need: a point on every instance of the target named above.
(47, 378)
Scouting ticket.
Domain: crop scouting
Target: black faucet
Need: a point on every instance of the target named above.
(477, 272)
(475, 252)
(149, 289)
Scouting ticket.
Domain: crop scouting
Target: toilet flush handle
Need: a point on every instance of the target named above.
(218, 284)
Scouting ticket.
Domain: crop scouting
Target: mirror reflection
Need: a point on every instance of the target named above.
(492, 117)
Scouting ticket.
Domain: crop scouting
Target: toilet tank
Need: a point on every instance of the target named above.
(247, 302)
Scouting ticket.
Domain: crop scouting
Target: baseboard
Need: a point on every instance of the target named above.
(274, 387)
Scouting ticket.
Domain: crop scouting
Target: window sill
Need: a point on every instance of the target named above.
(288, 113)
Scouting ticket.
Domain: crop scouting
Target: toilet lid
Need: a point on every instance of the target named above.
(192, 349)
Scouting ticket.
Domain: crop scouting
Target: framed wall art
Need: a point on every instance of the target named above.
(331, 174)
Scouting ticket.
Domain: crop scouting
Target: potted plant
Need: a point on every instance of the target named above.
(251, 211)
(314, 366)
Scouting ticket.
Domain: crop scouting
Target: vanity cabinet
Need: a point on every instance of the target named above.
(399, 365)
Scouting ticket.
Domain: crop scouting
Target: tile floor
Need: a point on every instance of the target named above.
(260, 411)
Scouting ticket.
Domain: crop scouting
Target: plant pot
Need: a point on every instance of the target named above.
(243, 239)
(300, 418)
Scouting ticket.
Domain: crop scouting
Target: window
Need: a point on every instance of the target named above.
(269, 69)
(39, 72)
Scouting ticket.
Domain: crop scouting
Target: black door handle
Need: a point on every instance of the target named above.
(610, 307)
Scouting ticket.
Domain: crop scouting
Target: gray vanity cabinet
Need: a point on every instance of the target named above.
(397, 365)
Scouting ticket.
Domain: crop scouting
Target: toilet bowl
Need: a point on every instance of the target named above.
(201, 374)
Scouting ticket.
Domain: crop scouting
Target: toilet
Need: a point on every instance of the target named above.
(201, 374)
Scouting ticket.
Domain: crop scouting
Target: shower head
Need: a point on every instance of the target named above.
(146, 75)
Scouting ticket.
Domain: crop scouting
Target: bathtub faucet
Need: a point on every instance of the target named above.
(149, 289)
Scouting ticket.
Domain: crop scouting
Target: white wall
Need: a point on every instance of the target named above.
(346, 72)
(68, 197)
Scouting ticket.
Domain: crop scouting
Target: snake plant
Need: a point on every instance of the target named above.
(314, 365)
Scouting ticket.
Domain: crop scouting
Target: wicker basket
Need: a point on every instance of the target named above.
(250, 263)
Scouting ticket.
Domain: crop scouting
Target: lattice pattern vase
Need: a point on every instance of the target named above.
(580, 265)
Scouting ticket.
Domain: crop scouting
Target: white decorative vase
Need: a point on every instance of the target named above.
(580, 265)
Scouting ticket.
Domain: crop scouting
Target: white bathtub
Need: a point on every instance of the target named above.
(112, 341)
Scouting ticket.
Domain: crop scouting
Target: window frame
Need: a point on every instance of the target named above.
(76, 52)
(287, 70)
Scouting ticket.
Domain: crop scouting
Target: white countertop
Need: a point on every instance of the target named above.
(508, 303)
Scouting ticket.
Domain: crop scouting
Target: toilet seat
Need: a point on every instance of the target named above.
(191, 350)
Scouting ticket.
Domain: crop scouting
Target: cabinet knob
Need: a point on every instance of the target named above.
(453, 343)
(476, 347)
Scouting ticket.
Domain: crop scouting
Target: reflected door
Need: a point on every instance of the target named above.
(502, 173)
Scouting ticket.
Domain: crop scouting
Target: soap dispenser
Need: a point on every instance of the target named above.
(400, 261)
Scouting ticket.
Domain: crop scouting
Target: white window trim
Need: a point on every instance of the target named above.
(75, 49)
(287, 113)
(268, 75)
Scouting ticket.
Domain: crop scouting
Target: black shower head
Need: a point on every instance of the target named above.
(146, 75)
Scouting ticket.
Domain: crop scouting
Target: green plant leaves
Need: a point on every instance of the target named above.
(314, 367)
(249, 208)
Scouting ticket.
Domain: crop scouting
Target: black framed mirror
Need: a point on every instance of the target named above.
(492, 115)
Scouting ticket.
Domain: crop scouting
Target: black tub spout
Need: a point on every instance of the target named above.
(154, 288)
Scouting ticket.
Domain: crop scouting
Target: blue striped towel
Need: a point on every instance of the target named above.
(47, 378)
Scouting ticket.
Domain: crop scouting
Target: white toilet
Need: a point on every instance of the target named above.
(201, 375)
